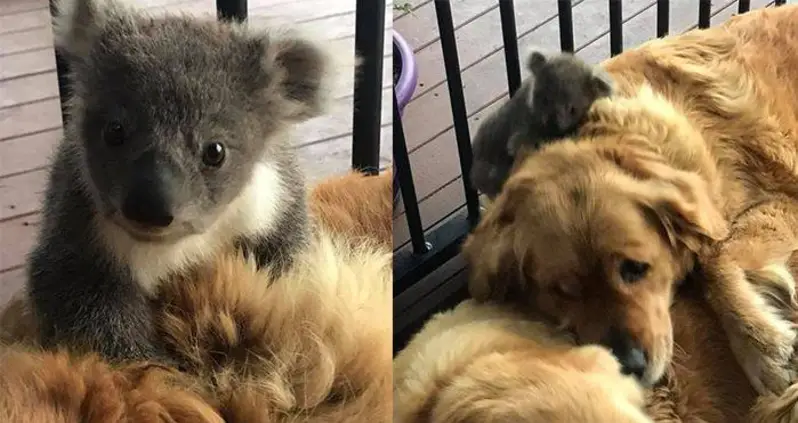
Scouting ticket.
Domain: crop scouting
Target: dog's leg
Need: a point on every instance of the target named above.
(751, 286)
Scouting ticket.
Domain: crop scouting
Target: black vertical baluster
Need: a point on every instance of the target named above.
(406, 185)
(510, 37)
(616, 27)
(366, 117)
(743, 6)
(451, 61)
(663, 17)
(780, 2)
(565, 13)
(61, 70)
(704, 10)
(232, 10)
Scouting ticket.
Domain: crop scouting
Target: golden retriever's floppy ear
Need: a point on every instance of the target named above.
(493, 251)
(681, 200)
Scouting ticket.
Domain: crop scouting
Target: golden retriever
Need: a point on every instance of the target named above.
(693, 165)
(309, 345)
(491, 362)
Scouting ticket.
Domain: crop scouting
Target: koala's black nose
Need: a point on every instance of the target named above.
(629, 354)
(148, 205)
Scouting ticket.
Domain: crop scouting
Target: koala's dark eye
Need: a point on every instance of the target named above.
(572, 111)
(213, 154)
(633, 270)
(114, 134)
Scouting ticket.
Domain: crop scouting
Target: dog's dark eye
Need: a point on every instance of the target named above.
(213, 155)
(633, 270)
(114, 134)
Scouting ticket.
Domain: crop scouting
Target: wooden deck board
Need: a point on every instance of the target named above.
(27, 153)
(436, 171)
(10, 282)
(30, 124)
(17, 22)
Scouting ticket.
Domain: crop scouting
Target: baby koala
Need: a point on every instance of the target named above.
(175, 149)
(550, 104)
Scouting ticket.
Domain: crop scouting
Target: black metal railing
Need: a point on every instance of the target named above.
(414, 301)
(369, 39)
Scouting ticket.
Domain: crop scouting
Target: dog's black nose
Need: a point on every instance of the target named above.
(147, 205)
(634, 362)
(632, 358)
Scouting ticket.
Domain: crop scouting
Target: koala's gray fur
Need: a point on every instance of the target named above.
(174, 85)
(550, 104)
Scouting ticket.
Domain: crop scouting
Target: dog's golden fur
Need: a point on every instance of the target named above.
(356, 205)
(312, 344)
(694, 161)
(489, 362)
(483, 363)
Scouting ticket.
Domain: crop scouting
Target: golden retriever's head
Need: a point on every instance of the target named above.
(594, 235)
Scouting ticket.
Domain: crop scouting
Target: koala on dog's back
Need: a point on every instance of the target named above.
(175, 148)
(549, 104)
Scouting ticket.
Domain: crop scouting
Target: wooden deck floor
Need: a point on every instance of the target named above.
(30, 121)
(427, 118)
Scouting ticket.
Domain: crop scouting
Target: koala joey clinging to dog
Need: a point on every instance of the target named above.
(549, 104)
(175, 148)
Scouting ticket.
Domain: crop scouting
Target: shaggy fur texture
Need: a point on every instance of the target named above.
(57, 388)
(485, 362)
(356, 206)
(694, 161)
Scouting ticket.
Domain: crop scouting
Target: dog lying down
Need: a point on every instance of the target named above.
(690, 167)
(487, 362)
(311, 345)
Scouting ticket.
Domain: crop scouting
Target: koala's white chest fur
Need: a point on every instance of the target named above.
(253, 212)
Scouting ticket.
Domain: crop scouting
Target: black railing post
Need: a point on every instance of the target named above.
(367, 113)
(61, 70)
(234, 10)
(454, 82)
(565, 15)
(743, 6)
(404, 174)
(616, 27)
(704, 13)
(663, 18)
(510, 38)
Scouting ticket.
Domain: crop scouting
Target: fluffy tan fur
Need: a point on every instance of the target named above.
(314, 345)
(485, 363)
(489, 362)
(356, 205)
(695, 160)
(56, 388)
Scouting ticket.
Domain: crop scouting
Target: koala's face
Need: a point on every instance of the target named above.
(564, 91)
(175, 114)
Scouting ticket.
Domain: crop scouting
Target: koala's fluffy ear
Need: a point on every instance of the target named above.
(535, 60)
(76, 24)
(603, 85)
(300, 71)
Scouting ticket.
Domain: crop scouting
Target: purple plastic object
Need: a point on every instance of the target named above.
(405, 76)
(405, 81)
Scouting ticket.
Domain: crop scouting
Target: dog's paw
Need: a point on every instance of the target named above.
(765, 353)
